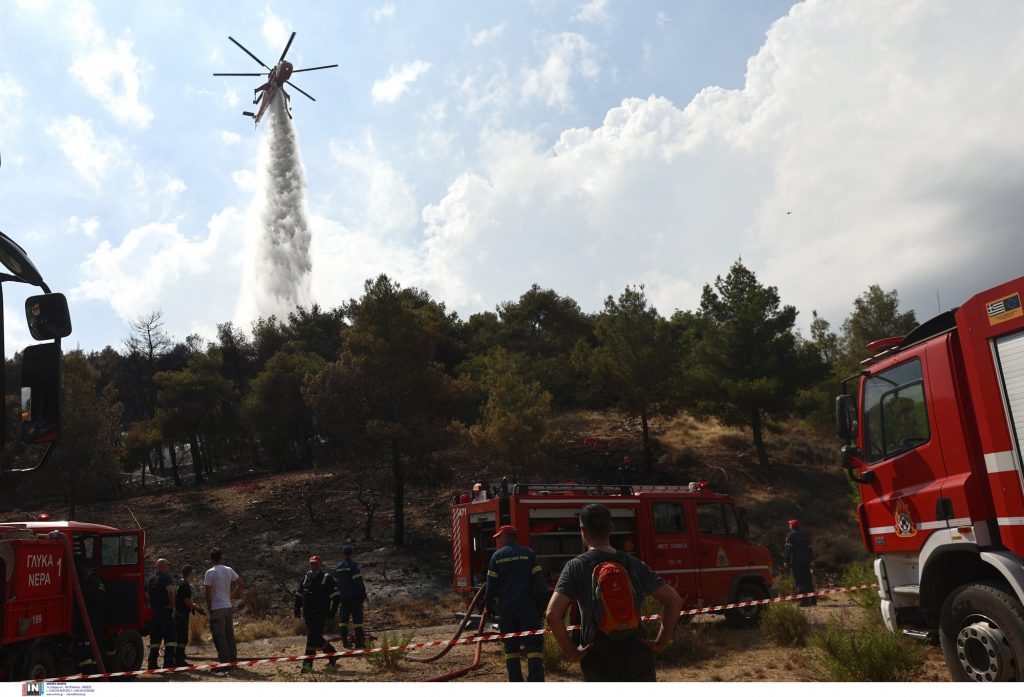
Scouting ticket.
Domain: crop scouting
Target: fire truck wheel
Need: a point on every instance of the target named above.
(982, 634)
(746, 616)
(128, 651)
(40, 664)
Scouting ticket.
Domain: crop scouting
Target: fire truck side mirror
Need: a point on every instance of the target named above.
(850, 452)
(48, 316)
(846, 418)
(40, 393)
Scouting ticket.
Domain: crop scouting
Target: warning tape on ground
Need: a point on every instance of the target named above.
(349, 653)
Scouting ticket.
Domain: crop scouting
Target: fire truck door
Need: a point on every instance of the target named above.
(721, 552)
(673, 549)
(901, 448)
(121, 568)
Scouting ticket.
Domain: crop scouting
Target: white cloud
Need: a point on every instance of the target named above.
(387, 12)
(489, 35)
(111, 74)
(385, 200)
(91, 156)
(899, 159)
(155, 266)
(11, 98)
(488, 92)
(661, 19)
(87, 227)
(230, 137)
(567, 53)
(274, 31)
(398, 81)
(231, 98)
(595, 11)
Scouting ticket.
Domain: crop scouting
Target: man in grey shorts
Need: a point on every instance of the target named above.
(220, 585)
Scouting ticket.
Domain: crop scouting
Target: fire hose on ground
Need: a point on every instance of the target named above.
(477, 639)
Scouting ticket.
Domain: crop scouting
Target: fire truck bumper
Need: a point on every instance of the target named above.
(889, 615)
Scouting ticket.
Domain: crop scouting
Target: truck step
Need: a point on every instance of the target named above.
(909, 589)
(921, 635)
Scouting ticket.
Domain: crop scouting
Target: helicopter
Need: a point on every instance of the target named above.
(277, 78)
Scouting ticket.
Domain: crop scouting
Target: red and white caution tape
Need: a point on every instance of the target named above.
(348, 653)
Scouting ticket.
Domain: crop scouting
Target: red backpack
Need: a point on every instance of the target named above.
(614, 603)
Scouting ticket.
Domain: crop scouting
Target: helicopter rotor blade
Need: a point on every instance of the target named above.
(321, 67)
(287, 46)
(249, 52)
(298, 90)
(239, 74)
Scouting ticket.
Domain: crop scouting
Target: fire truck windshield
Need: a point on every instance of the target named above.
(895, 416)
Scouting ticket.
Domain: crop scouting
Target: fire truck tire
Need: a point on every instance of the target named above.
(128, 651)
(746, 616)
(981, 630)
(40, 664)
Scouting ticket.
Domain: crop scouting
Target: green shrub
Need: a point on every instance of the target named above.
(868, 653)
(785, 584)
(387, 661)
(689, 643)
(836, 552)
(785, 624)
(867, 599)
(554, 660)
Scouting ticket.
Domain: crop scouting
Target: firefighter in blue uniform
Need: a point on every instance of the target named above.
(160, 590)
(515, 577)
(94, 594)
(353, 594)
(797, 554)
(315, 601)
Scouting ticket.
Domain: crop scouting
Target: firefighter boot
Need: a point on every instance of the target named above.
(344, 637)
(154, 657)
(514, 668)
(307, 665)
(360, 637)
(534, 667)
(170, 649)
(179, 657)
(333, 660)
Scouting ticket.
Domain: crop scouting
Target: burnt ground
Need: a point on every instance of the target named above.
(268, 526)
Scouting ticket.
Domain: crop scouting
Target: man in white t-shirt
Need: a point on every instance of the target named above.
(220, 585)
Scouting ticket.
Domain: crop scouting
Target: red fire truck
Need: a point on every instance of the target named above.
(934, 431)
(38, 608)
(694, 538)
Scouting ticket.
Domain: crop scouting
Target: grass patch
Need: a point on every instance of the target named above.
(197, 627)
(554, 659)
(868, 653)
(419, 612)
(256, 601)
(690, 643)
(262, 628)
(785, 624)
(387, 661)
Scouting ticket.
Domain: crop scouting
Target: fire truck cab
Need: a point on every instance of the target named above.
(933, 433)
(695, 539)
(38, 609)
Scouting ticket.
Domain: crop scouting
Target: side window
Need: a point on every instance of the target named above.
(120, 550)
(732, 527)
(709, 519)
(895, 414)
(668, 518)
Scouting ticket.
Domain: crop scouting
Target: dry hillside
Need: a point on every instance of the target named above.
(269, 525)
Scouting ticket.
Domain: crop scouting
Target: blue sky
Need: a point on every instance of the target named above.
(473, 149)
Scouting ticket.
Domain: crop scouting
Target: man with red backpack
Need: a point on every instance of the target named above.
(609, 586)
(514, 575)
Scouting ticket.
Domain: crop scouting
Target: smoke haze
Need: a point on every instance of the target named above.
(278, 265)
